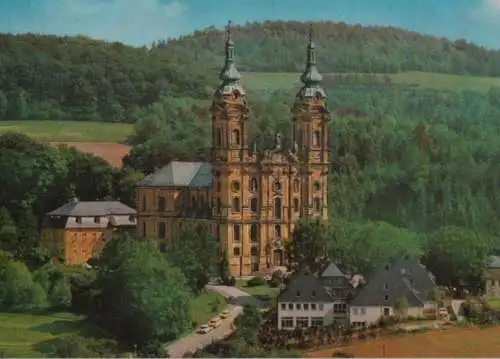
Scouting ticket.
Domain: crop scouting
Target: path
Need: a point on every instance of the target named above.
(194, 341)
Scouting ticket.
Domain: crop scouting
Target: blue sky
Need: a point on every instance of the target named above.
(139, 22)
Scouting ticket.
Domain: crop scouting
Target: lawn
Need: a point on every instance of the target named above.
(261, 292)
(284, 80)
(23, 335)
(206, 306)
(457, 342)
(70, 131)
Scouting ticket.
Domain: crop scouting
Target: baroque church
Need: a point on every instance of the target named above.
(252, 197)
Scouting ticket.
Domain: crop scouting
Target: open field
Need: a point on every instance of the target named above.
(284, 80)
(23, 335)
(70, 131)
(456, 342)
(111, 152)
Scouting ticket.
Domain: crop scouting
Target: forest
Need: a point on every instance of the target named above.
(78, 78)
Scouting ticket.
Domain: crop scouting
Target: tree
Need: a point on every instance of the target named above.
(143, 298)
(4, 106)
(247, 325)
(308, 244)
(400, 307)
(18, 290)
(60, 295)
(457, 257)
(224, 271)
(436, 296)
(196, 254)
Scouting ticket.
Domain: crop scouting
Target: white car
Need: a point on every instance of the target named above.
(215, 322)
(204, 329)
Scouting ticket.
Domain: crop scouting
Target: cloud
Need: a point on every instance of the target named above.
(488, 11)
(136, 22)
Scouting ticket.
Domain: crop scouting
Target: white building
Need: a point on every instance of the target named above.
(311, 300)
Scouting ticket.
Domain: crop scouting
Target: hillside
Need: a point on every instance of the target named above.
(271, 81)
(279, 46)
(77, 78)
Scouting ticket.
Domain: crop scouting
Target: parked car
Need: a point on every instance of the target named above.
(204, 329)
(215, 322)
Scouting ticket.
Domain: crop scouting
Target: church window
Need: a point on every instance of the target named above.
(317, 204)
(253, 204)
(144, 203)
(296, 185)
(253, 233)
(277, 208)
(254, 251)
(193, 202)
(277, 231)
(235, 140)
(236, 232)
(236, 251)
(219, 187)
(253, 184)
(316, 138)
(219, 137)
(144, 229)
(317, 186)
(236, 204)
(235, 186)
(296, 204)
(217, 232)
(161, 204)
(161, 230)
(202, 202)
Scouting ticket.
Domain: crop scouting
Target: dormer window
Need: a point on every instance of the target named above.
(97, 219)
(313, 294)
(297, 294)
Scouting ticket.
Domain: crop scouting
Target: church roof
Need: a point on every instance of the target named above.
(180, 174)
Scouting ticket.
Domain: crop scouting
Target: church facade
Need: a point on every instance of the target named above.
(253, 197)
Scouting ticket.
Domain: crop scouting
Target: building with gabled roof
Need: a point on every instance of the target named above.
(78, 230)
(252, 195)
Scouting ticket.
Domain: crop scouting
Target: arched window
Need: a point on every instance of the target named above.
(253, 233)
(277, 231)
(253, 205)
(193, 202)
(202, 202)
(317, 204)
(316, 138)
(296, 204)
(235, 140)
(253, 184)
(277, 208)
(254, 251)
(236, 251)
(236, 204)
(236, 232)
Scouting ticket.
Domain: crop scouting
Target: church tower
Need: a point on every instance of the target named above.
(311, 137)
(229, 158)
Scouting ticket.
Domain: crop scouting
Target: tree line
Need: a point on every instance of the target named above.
(279, 46)
(77, 78)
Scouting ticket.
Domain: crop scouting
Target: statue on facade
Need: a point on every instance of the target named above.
(278, 140)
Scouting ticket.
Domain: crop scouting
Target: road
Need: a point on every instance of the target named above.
(194, 341)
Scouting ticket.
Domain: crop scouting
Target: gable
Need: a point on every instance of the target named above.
(304, 286)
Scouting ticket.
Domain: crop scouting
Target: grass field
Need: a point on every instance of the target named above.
(206, 306)
(275, 81)
(262, 292)
(457, 343)
(23, 335)
(70, 131)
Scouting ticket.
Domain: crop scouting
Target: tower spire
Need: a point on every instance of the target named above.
(229, 73)
(311, 75)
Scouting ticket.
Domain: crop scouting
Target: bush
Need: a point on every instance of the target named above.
(230, 281)
(256, 281)
(75, 346)
(153, 349)
(274, 283)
